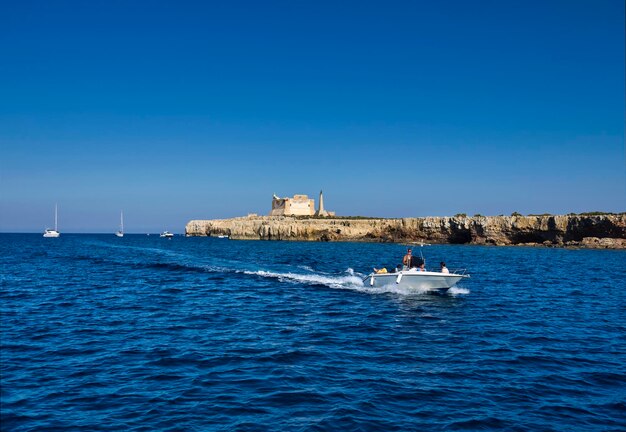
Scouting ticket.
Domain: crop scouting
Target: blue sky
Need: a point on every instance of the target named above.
(174, 111)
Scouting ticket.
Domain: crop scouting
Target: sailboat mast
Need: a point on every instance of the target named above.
(55, 218)
(122, 220)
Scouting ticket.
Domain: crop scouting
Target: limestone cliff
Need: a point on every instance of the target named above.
(598, 231)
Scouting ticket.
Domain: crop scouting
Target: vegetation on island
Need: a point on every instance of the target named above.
(598, 213)
(304, 217)
(458, 215)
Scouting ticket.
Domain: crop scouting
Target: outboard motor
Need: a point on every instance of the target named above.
(416, 261)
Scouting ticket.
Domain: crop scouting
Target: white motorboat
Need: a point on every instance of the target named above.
(222, 236)
(120, 233)
(416, 280)
(166, 234)
(55, 232)
(415, 277)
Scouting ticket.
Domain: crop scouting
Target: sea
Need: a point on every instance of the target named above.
(143, 333)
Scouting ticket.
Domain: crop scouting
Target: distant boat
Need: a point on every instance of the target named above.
(55, 232)
(222, 236)
(166, 234)
(120, 233)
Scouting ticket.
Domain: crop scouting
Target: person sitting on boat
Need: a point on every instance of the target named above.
(406, 261)
(422, 267)
(380, 271)
(444, 269)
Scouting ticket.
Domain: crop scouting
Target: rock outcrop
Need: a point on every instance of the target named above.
(591, 231)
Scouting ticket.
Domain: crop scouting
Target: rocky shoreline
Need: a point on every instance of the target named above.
(579, 231)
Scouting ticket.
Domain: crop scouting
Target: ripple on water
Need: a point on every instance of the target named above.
(199, 334)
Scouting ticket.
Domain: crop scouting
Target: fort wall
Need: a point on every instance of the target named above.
(299, 205)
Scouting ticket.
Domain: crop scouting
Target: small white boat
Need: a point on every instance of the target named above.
(51, 233)
(166, 234)
(55, 232)
(415, 280)
(416, 277)
(120, 233)
(222, 236)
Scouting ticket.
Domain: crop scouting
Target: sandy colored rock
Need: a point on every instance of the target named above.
(599, 231)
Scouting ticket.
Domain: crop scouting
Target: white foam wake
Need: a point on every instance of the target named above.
(455, 291)
(348, 281)
(393, 288)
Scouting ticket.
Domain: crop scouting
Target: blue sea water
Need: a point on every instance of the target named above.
(144, 333)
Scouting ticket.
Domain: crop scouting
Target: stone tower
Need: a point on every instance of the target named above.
(321, 211)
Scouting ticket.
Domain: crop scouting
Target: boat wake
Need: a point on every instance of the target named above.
(392, 288)
(347, 281)
(455, 291)
(298, 275)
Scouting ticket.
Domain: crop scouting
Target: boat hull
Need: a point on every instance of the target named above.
(51, 233)
(415, 281)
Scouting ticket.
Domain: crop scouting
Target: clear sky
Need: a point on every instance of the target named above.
(184, 110)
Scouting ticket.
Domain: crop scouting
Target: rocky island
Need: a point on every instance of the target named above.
(586, 230)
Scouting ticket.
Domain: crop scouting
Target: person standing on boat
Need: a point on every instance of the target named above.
(444, 269)
(406, 261)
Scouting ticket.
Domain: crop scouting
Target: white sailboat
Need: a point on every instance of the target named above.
(120, 233)
(55, 232)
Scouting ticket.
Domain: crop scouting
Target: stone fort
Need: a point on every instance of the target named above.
(299, 205)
